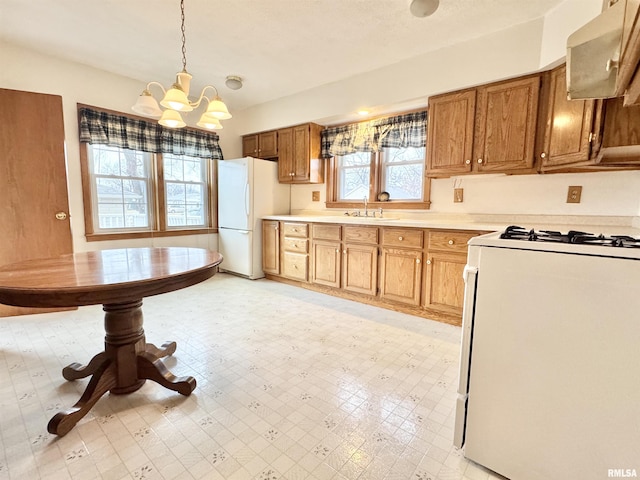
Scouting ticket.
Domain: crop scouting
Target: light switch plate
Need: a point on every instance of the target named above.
(315, 196)
(458, 195)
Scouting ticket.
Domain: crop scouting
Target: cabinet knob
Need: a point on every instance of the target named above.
(543, 155)
(450, 242)
(400, 238)
(344, 251)
(337, 250)
(417, 260)
(61, 216)
(295, 266)
(295, 245)
(480, 160)
(428, 262)
(467, 162)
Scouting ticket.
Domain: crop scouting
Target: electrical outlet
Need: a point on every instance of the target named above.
(574, 193)
(315, 196)
(458, 195)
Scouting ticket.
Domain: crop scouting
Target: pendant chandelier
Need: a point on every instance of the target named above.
(176, 99)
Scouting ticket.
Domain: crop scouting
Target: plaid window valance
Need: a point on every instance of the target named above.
(135, 134)
(408, 130)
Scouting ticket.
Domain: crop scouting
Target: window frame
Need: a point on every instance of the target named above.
(375, 187)
(157, 209)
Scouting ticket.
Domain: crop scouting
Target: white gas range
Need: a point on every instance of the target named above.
(550, 361)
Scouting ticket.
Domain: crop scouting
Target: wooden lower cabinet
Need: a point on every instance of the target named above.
(271, 246)
(400, 275)
(443, 282)
(360, 268)
(326, 263)
(294, 246)
(412, 270)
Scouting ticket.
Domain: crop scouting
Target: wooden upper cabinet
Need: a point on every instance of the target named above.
(620, 146)
(569, 128)
(450, 133)
(491, 129)
(299, 154)
(260, 145)
(506, 119)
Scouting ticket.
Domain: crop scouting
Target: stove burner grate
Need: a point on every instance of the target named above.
(515, 232)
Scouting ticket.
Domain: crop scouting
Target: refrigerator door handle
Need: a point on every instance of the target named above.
(246, 199)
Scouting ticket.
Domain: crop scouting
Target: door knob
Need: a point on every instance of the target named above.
(61, 216)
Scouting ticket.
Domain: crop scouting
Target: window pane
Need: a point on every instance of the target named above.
(354, 176)
(120, 188)
(403, 173)
(186, 190)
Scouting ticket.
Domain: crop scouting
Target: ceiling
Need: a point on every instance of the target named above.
(279, 47)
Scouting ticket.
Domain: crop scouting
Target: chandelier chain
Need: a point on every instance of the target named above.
(184, 40)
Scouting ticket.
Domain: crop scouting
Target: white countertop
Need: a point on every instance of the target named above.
(492, 223)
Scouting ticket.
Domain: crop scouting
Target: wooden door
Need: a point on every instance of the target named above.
(325, 263)
(568, 131)
(444, 285)
(33, 181)
(451, 131)
(506, 117)
(271, 247)
(285, 155)
(400, 275)
(360, 268)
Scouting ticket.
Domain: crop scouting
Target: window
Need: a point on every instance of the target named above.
(185, 184)
(120, 188)
(397, 171)
(369, 158)
(402, 174)
(141, 181)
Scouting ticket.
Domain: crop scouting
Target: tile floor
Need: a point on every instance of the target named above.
(292, 384)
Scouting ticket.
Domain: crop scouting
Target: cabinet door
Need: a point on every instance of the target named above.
(400, 274)
(443, 285)
(250, 146)
(568, 130)
(268, 144)
(450, 133)
(620, 134)
(360, 268)
(325, 263)
(300, 163)
(285, 155)
(271, 247)
(506, 116)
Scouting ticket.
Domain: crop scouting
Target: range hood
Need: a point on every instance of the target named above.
(593, 55)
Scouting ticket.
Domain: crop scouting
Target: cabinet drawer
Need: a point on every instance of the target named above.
(402, 237)
(325, 232)
(294, 266)
(295, 229)
(450, 241)
(360, 234)
(299, 245)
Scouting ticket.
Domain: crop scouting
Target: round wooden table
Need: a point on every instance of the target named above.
(118, 279)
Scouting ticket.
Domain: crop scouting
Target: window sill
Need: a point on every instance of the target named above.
(99, 237)
(392, 205)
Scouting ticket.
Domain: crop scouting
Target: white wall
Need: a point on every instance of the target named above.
(30, 71)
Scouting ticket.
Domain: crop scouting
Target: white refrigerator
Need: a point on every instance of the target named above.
(248, 189)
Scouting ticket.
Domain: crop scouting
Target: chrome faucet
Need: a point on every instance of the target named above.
(366, 214)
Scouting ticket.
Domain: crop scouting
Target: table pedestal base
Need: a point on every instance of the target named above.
(125, 365)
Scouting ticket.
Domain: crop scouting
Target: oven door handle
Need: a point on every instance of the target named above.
(470, 276)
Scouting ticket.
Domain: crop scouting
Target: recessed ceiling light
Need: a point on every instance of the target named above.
(363, 112)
